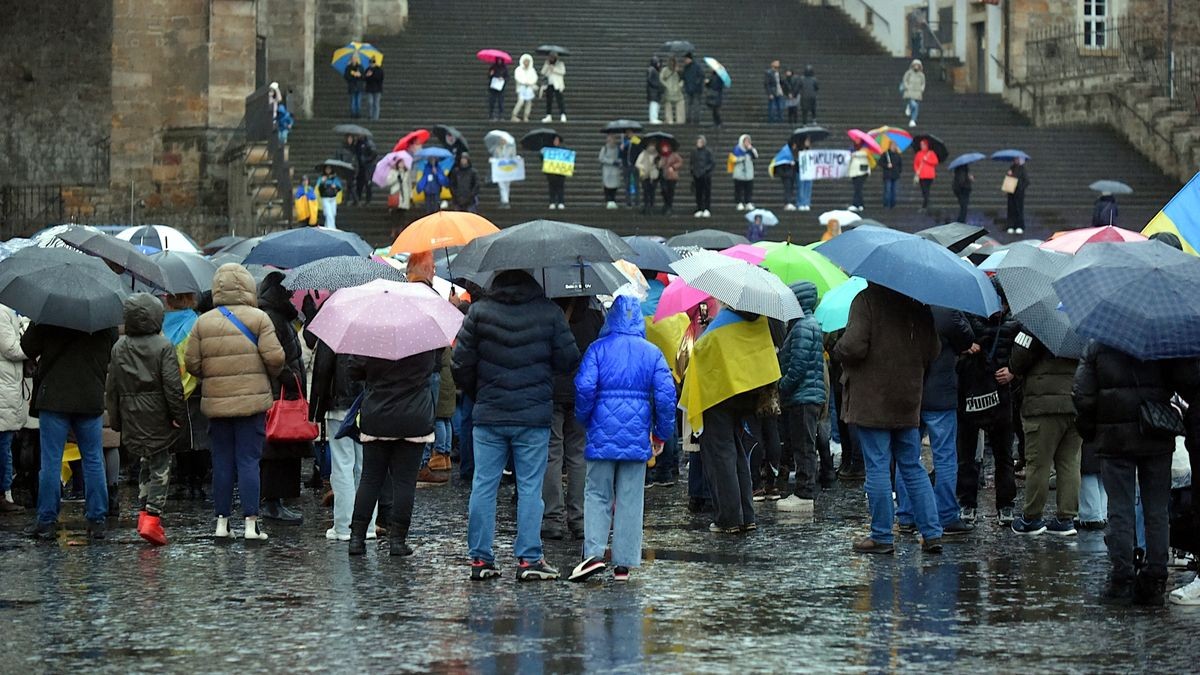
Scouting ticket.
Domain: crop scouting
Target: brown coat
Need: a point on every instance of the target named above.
(888, 345)
(236, 374)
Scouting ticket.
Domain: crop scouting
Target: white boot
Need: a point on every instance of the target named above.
(222, 528)
(253, 532)
(8, 496)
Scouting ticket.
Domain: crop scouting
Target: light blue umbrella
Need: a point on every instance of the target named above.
(834, 310)
(992, 262)
(1009, 155)
(968, 158)
(433, 152)
(913, 266)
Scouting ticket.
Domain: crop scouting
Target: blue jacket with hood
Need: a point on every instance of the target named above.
(802, 356)
(624, 389)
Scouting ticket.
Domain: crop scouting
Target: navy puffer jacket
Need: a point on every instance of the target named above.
(624, 389)
(802, 357)
(511, 345)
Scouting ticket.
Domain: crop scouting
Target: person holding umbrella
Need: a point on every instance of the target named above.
(610, 169)
(14, 409)
(464, 185)
(374, 87)
(961, 185)
(925, 167)
(504, 148)
(1016, 182)
(554, 72)
(1104, 211)
(329, 188)
(860, 168)
(702, 170)
(365, 155)
(527, 79)
(648, 172)
(674, 104)
(716, 96)
(497, 79)
(669, 163)
(431, 183)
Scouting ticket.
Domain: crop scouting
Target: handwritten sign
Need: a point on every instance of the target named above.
(823, 164)
(508, 169)
(558, 161)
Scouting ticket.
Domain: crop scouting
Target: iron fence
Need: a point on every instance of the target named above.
(26, 208)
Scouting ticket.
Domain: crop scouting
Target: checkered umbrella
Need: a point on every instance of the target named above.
(1026, 273)
(1138, 297)
(341, 271)
(739, 285)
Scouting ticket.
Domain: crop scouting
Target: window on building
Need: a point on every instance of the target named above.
(1095, 23)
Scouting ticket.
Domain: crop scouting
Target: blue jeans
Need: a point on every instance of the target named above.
(804, 193)
(528, 447)
(775, 109)
(622, 484)
(466, 437)
(879, 448)
(435, 383)
(355, 102)
(345, 473)
(443, 435)
(889, 193)
(1093, 500)
(942, 427)
(6, 463)
(53, 432)
(373, 99)
(914, 107)
(236, 442)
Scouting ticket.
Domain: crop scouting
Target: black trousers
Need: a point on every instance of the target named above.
(1016, 210)
(668, 193)
(926, 183)
(857, 182)
(764, 446)
(964, 200)
(716, 113)
(726, 466)
(553, 95)
(809, 106)
(496, 104)
(557, 187)
(403, 460)
(648, 190)
(789, 187)
(743, 191)
(695, 101)
(1122, 477)
(703, 188)
(1000, 437)
(793, 112)
(610, 194)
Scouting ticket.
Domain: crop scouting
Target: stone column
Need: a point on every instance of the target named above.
(290, 29)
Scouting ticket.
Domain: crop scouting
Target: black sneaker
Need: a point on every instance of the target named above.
(958, 527)
(932, 545)
(537, 570)
(1117, 593)
(967, 514)
(96, 529)
(586, 569)
(621, 574)
(40, 530)
(1061, 527)
(554, 534)
(481, 570)
(906, 528)
(1006, 516)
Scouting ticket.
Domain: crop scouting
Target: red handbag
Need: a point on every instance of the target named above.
(287, 420)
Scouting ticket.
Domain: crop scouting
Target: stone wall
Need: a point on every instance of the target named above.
(340, 21)
(1154, 13)
(55, 83)
(1027, 15)
(290, 29)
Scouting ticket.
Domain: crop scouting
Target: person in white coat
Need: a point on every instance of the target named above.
(526, 77)
(14, 407)
(555, 72)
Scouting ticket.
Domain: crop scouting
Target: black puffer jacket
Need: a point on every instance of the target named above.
(144, 394)
(585, 324)
(276, 301)
(399, 401)
(1109, 389)
(511, 345)
(941, 380)
(995, 338)
(71, 368)
(332, 386)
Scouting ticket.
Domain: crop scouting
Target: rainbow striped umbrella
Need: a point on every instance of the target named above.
(900, 138)
(365, 52)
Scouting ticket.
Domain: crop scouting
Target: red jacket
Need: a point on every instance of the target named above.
(925, 164)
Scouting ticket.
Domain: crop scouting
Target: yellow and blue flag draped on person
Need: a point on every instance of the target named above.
(667, 335)
(731, 357)
(1181, 216)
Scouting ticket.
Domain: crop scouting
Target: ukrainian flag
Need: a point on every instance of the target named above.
(1181, 216)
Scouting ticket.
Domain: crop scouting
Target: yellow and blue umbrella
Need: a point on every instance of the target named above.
(365, 52)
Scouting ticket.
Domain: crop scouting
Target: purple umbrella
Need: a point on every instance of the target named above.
(386, 320)
(389, 162)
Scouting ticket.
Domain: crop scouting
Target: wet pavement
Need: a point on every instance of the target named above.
(789, 597)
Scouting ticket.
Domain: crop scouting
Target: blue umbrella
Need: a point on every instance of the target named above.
(433, 152)
(1009, 155)
(967, 158)
(293, 248)
(651, 254)
(913, 266)
(834, 310)
(1138, 297)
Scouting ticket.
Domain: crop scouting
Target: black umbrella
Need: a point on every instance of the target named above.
(660, 137)
(540, 243)
(678, 46)
(935, 144)
(236, 252)
(621, 126)
(353, 130)
(812, 132)
(553, 49)
(954, 236)
(539, 138)
(59, 287)
(117, 252)
(185, 272)
(338, 272)
(219, 243)
(651, 254)
(862, 221)
(450, 137)
(574, 281)
(345, 168)
(710, 239)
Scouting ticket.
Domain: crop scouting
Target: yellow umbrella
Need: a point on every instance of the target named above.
(365, 52)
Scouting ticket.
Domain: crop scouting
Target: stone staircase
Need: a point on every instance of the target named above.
(433, 77)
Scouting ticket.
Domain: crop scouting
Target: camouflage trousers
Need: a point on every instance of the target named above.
(153, 481)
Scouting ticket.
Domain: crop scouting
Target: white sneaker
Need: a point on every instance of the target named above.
(553, 206)
(741, 207)
(749, 206)
(1019, 230)
(332, 535)
(707, 213)
(610, 205)
(790, 207)
(562, 118)
(806, 208)
(698, 214)
(794, 503)
(445, 204)
(561, 206)
(222, 528)
(255, 533)
(912, 123)
(1186, 595)
(548, 118)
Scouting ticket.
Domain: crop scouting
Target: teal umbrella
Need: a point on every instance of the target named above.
(834, 310)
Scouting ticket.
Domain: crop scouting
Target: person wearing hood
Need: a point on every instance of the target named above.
(527, 79)
(433, 179)
(555, 73)
(144, 400)
(647, 166)
(809, 86)
(14, 408)
(281, 461)
(511, 345)
(235, 354)
(654, 89)
(674, 104)
(744, 155)
(1104, 211)
(497, 79)
(912, 88)
(464, 185)
(625, 398)
(192, 446)
(669, 164)
(610, 169)
(803, 396)
(702, 171)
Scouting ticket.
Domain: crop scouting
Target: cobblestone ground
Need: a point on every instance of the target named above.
(789, 597)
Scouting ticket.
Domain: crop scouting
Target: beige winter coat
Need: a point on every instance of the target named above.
(14, 406)
(236, 374)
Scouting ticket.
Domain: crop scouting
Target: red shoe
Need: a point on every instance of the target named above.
(141, 521)
(152, 530)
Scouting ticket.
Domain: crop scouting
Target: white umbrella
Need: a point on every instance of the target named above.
(160, 237)
(497, 137)
(842, 217)
(48, 238)
(769, 219)
(739, 285)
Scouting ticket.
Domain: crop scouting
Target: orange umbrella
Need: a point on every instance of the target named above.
(442, 230)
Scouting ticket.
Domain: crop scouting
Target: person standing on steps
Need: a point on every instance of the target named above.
(912, 87)
(527, 79)
(962, 189)
(631, 148)
(1016, 181)
(365, 155)
(744, 155)
(925, 167)
(497, 80)
(464, 185)
(234, 352)
(374, 86)
(785, 171)
(669, 164)
(557, 183)
(610, 169)
(354, 85)
(1104, 210)
(702, 171)
(654, 89)
(648, 173)
(513, 392)
(674, 104)
(804, 185)
(773, 85)
(809, 86)
(716, 96)
(891, 166)
(860, 168)
(554, 71)
(791, 93)
(504, 150)
(693, 87)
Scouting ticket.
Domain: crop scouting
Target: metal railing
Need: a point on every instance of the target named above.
(27, 208)
(856, 8)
